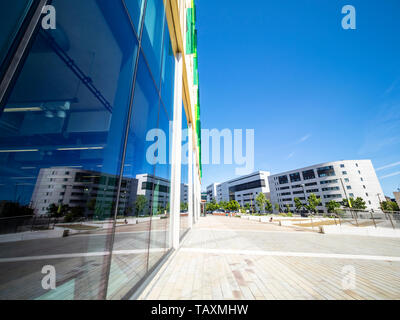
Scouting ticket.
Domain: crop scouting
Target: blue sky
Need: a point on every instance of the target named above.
(312, 91)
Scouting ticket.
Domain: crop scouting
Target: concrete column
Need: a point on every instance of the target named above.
(190, 174)
(176, 156)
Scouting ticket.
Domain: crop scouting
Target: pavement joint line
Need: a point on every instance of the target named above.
(292, 254)
(249, 230)
(78, 255)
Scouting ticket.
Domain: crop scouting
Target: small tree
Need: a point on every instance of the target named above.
(268, 206)
(58, 210)
(233, 205)
(299, 205)
(247, 206)
(313, 203)
(287, 208)
(140, 204)
(277, 208)
(389, 206)
(260, 200)
(359, 204)
(332, 205)
(184, 206)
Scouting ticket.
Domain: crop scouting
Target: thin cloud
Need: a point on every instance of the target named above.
(392, 87)
(390, 175)
(290, 156)
(305, 138)
(391, 165)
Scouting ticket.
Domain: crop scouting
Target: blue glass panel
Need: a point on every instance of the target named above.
(184, 176)
(152, 40)
(61, 144)
(161, 195)
(168, 74)
(12, 13)
(139, 169)
(135, 9)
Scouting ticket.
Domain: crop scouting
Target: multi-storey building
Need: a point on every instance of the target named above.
(212, 192)
(397, 197)
(328, 181)
(92, 191)
(244, 189)
(83, 84)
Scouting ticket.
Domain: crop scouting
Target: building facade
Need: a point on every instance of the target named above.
(212, 192)
(102, 93)
(244, 189)
(397, 197)
(336, 181)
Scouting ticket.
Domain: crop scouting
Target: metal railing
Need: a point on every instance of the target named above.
(363, 218)
(27, 223)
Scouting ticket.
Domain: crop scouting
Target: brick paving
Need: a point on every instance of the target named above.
(230, 258)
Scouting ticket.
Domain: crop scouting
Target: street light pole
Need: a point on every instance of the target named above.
(304, 192)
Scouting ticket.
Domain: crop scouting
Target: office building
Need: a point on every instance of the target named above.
(336, 181)
(397, 197)
(244, 189)
(81, 98)
(212, 192)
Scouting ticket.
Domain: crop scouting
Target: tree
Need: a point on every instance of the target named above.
(140, 204)
(332, 206)
(359, 204)
(247, 206)
(260, 200)
(268, 206)
(389, 206)
(287, 208)
(184, 206)
(233, 205)
(313, 203)
(299, 205)
(277, 208)
(223, 205)
(56, 211)
(74, 214)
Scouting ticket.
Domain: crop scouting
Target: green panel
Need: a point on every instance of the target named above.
(190, 31)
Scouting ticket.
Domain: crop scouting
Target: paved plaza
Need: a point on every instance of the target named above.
(233, 258)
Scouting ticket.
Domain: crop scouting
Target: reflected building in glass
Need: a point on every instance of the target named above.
(85, 185)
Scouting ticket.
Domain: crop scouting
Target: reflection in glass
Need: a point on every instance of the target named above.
(184, 221)
(12, 14)
(61, 142)
(152, 41)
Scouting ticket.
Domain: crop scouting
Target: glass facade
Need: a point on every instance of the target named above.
(78, 163)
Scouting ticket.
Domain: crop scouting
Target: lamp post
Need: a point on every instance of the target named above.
(304, 192)
(380, 201)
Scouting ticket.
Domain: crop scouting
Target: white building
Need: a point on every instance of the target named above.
(244, 189)
(328, 181)
(397, 197)
(78, 188)
(212, 192)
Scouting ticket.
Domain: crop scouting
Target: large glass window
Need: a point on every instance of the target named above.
(308, 174)
(283, 179)
(62, 132)
(184, 221)
(12, 14)
(294, 177)
(135, 8)
(152, 41)
(326, 171)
